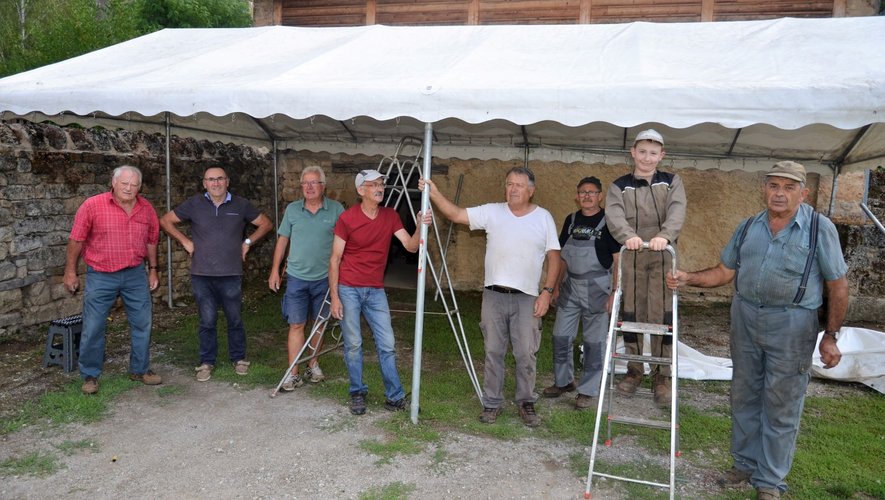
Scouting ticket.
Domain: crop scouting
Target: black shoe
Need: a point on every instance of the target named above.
(358, 404)
(528, 415)
(554, 391)
(401, 404)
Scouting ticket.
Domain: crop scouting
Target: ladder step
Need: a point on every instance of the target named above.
(631, 480)
(650, 328)
(643, 359)
(658, 424)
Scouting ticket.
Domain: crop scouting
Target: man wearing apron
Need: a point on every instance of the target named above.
(583, 295)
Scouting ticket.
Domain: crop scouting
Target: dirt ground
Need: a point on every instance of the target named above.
(220, 440)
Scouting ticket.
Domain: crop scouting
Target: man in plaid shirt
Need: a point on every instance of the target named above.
(115, 232)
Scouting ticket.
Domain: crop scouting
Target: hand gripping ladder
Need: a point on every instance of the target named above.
(319, 328)
(606, 396)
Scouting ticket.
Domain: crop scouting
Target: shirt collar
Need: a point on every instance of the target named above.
(226, 197)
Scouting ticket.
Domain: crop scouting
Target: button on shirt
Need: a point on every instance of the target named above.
(112, 239)
(772, 266)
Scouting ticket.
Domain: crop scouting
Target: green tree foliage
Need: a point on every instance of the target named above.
(34, 33)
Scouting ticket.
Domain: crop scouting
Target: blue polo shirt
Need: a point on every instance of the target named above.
(310, 238)
(772, 266)
(217, 233)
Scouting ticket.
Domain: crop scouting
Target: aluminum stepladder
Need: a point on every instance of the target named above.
(318, 329)
(607, 392)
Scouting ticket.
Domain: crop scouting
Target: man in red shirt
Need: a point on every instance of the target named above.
(356, 285)
(115, 232)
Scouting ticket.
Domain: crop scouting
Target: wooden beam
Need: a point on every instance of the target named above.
(584, 16)
(706, 10)
(473, 12)
(839, 8)
(277, 12)
(371, 8)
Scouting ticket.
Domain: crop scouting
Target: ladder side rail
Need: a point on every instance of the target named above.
(319, 325)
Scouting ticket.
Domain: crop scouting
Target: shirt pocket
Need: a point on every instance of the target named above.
(794, 258)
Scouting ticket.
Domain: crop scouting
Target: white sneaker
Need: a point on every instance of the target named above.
(292, 381)
(315, 374)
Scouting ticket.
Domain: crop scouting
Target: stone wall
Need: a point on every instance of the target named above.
(47, 171)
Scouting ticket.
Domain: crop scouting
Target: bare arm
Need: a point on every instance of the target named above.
(72, 256)
(449, 210)
(412, 242)
(334, 266)
(169, 224)
(542, 303)
(708, 278)
(837, 306)
(264, 225)
(153, 277)
(279, 251)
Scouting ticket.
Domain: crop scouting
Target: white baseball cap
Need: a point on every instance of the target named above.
(649, 135)
(368, 176)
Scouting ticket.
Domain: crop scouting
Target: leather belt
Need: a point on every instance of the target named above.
(502, 289)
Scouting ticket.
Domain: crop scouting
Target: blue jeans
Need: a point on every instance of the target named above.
(372, 303)
(210, 292)
(771, 352)
(100, 294)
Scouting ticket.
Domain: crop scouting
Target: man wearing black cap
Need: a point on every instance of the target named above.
(781, 260)
(583, 295)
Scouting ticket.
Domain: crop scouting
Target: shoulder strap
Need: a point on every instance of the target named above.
(741, 239)
(812, 249)
(571, 224)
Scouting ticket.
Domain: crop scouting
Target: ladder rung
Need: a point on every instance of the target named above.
(658, 424)
(631, 480)
(650, 328)
(643, 359)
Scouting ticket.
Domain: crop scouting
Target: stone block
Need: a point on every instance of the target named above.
(7, 271)
(23, 244)
(36, 294)
(10, 319)
(10, 300)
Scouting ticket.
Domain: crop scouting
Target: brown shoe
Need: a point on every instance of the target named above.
(733, 477)
(90, 385)
(241, 367)
(661, 388)
(529, 417)
(554, 391)
(582, 402)
(627, 386)
(767, 493)
(146, 378)
(489, 415)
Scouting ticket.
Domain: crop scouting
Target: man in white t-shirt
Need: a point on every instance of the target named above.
(520, 237)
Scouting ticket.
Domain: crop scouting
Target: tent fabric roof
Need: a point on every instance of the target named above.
(488, 82)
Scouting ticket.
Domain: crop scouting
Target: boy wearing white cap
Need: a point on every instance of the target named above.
(646, 206)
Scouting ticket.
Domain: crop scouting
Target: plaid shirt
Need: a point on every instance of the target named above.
(112, 239)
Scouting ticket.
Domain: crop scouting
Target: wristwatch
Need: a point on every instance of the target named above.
(831, 334)
(549, 289)
(248, 242)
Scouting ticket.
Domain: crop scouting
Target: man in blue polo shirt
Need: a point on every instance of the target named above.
(218, 246)
(311, 220)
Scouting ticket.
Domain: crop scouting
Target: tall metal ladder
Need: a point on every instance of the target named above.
(606, 396)
(319, 328)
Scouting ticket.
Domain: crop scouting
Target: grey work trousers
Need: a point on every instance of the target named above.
(574, 308)
(508, 318)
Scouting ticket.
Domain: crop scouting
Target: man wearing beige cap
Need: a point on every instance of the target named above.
(781, 260)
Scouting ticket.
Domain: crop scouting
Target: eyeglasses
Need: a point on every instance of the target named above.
(588, 193)
(215, 179)
(310, 183)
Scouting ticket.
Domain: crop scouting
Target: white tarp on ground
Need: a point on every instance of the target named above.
(786, 88)
(863, 360)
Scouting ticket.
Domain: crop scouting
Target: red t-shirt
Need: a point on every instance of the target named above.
(112, 239)
(367, 245)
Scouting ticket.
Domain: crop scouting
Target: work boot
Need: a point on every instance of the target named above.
(554, 391)
(90, 385)
(768, 493)
(734, 477)
(583, 402)
(528, 414)
(661, 388)
(627, 386)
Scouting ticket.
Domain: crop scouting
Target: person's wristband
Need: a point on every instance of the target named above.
(831, 334)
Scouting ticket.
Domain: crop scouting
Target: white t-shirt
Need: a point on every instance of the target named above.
(516, 246)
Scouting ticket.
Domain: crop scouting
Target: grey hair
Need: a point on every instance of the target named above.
(313, 169)
(122, 168)
(522, 171)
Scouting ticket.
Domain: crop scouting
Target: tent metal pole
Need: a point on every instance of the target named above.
(276, 189)
(422, 261)
(168, 121)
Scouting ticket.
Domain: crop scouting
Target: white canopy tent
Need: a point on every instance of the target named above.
(728, 94)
